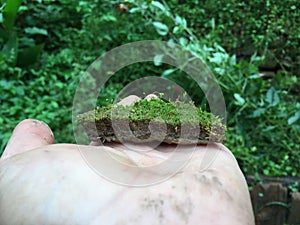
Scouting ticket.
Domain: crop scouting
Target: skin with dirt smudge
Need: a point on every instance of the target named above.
(53, 184)
(57, 185)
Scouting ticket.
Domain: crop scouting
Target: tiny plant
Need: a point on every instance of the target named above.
(182, 121)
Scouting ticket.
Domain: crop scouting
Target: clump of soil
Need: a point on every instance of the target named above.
(153, 120)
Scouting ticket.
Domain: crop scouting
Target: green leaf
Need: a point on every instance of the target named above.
(268, 128)
(213, 23)
(10, 13)
(3, 33)
(219, 47)
(10, 48)
(161, 28)
(157, 59)
(232, 60)
(35, 30)
(180, 21)
(54, 104)
(134, 10)
(183, 41)
(171, 43)
(239, 99)
(20, 90)
(294, 118)
(272, 96)
(108, 18)
(258, 112)
(6, 85)
(168, 72)
(266, 172)
(29, 56)
(159, 5)
(176, 29)
(217, 58)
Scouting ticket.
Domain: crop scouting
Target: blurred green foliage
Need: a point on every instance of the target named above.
(47, 45)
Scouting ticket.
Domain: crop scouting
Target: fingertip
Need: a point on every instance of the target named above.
(129, 100)
(27, 135)
(37, 127)
(151, 96)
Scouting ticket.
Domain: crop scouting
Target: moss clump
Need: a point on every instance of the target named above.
(178, 122)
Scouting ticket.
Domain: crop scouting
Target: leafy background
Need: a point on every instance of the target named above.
(251, 47)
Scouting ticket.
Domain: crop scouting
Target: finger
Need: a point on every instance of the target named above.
(95, 143)
(27, 135)
(150, 96)
(222, 148)
(129, 100)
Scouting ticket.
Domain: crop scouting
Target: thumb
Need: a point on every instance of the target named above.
(27, 135)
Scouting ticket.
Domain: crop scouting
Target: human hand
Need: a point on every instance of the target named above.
(46, 183)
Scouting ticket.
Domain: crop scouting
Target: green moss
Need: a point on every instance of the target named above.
(174, 114)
